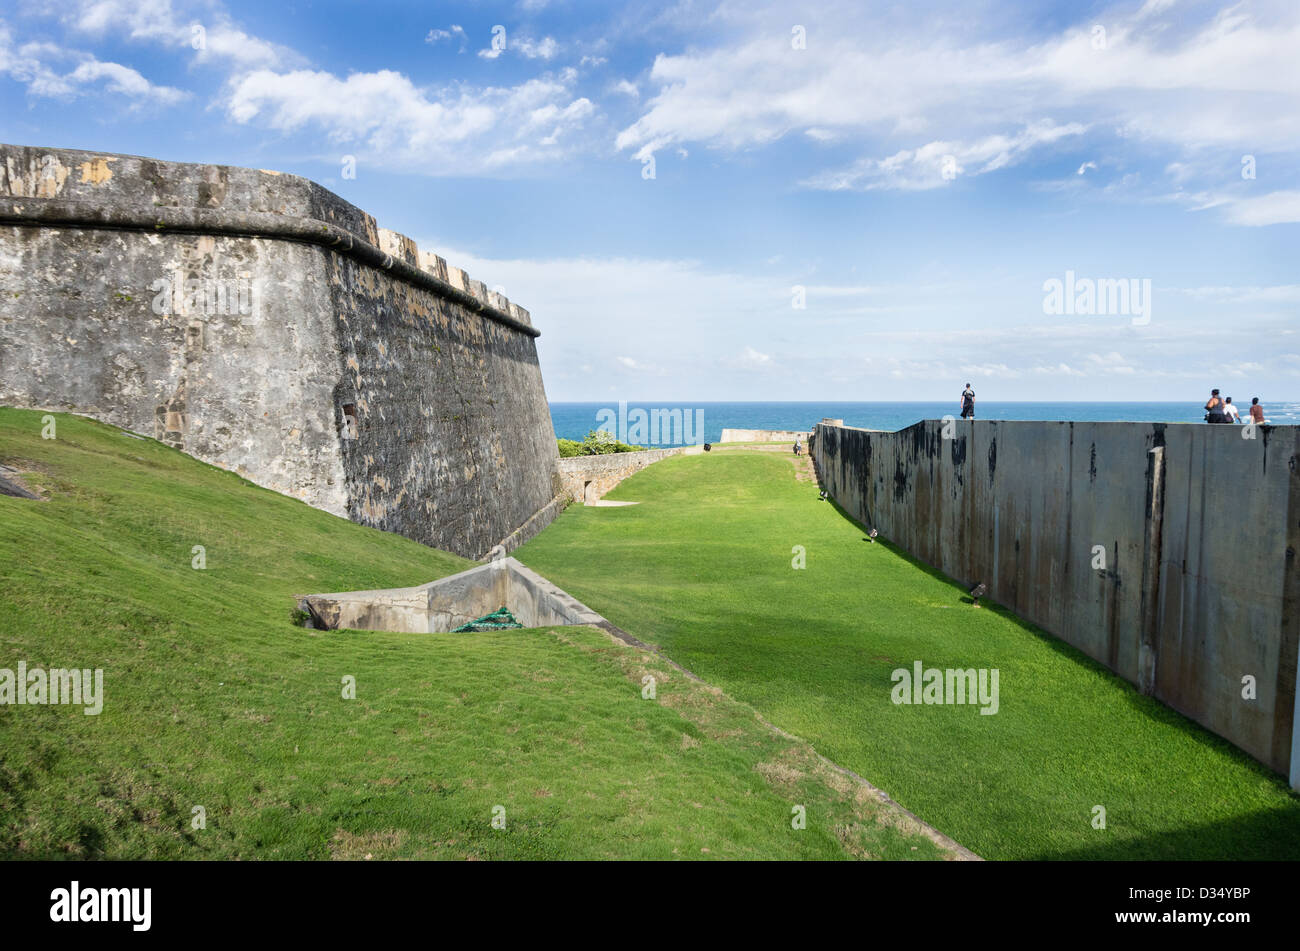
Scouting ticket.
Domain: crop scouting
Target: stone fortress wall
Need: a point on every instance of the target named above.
(763, 435)
(1166, 552)
(588, 478)
(261, 323)
(774, 435)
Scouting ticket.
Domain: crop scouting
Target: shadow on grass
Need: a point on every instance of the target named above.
(1230, 840)
(1153, 709)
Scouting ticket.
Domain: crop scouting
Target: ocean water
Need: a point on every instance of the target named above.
(575, 420)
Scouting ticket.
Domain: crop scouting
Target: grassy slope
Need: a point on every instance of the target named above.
(213, 698)
(702, 568)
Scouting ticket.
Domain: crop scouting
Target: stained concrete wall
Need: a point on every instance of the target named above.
(261, 323)
(588, 478)
(1199, 529)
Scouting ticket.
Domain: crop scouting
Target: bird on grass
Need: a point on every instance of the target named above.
(871, 536)
(978, 592)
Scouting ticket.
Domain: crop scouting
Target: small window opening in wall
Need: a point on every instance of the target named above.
(349, 421)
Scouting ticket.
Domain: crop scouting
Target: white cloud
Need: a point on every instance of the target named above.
(1168, 74)
(680, 324)
(544, 49)
(124, 80)
(751, 359)
(1056, 370)
(1109, 363)
(938, 163)
(842, 290)
(158, 21)
(31, 64)
(998, 370)
(1276, 293)
(1280, 207)
(455, 31)
(451, 131)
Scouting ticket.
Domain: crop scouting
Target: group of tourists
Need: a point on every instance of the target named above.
(1220, 409)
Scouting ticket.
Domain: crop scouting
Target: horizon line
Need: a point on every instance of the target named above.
(902, 402)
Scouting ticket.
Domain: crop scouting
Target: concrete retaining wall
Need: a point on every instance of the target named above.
(448, 603)
(1197, 526)
(262, 324)
(588, 478)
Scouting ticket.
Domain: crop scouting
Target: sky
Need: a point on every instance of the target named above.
(746, 201)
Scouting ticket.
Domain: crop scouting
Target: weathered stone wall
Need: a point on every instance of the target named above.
(261, 323)
(764, 435)
(588, 478)
(1198, 528)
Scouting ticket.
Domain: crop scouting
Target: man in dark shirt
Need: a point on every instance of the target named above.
(968, 403)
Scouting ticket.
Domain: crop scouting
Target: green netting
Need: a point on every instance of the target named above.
(498, 620)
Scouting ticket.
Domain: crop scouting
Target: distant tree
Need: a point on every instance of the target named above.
(598, 442)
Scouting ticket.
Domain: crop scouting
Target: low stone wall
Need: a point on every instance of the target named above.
(588, 478)
(1166, 552)
(764, 435)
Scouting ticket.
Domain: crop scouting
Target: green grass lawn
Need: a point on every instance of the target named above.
(703, 568)
(213, 698)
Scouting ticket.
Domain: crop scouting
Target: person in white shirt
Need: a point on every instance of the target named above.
(1233, 414)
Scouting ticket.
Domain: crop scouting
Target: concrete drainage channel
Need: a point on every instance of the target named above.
(447, 603)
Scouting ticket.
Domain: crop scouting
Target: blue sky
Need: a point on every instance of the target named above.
(914, 174)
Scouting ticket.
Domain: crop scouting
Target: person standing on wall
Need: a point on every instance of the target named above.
(1214, 412)
(1233, 414)
(968, 403)
(1256, 411)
